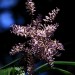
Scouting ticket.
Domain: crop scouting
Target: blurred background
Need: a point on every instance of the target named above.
(11, 12)
(14, 12)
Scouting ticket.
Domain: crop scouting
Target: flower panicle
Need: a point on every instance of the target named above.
(51, 15)
(30, 6)
(17, 48)
(41, 44)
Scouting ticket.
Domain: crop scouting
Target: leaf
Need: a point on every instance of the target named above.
(5, 71)
(62, 71)
(55, 62)
(12, 70)
(64, 63)
(45, 67)
(10, 63)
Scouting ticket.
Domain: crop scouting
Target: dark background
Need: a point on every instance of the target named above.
(15, 13)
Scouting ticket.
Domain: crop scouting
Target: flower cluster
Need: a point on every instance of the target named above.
(52, 15)
(41, 44)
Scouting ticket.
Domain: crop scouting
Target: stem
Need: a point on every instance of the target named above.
(10, 63)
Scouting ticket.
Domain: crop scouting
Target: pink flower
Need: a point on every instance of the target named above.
(41, 44)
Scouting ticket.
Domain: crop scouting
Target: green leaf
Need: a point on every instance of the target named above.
(45, 67)
(64, 63)
(62, 71)
(12, 70)
(55, 62)
(5, 71)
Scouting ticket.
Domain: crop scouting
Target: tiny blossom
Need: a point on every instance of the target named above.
(52, 15)
(51, 28)
(41, 33)
(41, 44)
(17, 48)
(30, 6)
